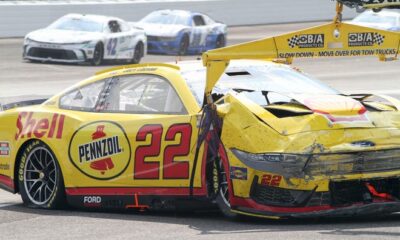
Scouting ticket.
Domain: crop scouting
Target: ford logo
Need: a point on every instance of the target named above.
(363, 144)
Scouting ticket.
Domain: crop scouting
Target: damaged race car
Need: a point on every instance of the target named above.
(182, 32)
(78, 38)
(255, 137)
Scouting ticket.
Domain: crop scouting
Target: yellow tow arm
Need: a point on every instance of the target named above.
(336, 39)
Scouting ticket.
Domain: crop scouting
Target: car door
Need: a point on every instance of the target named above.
(199, 33)
(148, 135)
(115, 41)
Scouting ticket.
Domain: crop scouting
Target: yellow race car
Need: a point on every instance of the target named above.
(255, 137)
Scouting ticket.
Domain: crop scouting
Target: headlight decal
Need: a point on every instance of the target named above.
(322, 164)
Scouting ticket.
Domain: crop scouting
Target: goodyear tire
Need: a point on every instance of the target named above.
(221, 189)
(98, 55)
(40, 179)
(220, 42)
(138, 53)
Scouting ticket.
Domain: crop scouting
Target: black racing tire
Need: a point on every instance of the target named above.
(40, 180)
(221, 190)
(220, 42)
(98, 55)
(183, 45)
(138, 53)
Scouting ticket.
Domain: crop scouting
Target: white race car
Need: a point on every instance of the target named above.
(76, 38)
(385, 19)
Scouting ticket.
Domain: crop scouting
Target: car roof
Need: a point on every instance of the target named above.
(179, 12)
(92, 17)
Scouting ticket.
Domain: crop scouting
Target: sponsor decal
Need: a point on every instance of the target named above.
(92, 201)
(307, 41)
(271, 180)
(4, 149)
(100, 150)
(365, 39)
(29, 126)
(239, 173)
(4, 166)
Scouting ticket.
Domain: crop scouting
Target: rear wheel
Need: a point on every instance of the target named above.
(138, 53)
(220, 42)
(183, 45)
(98, 55)
(39, 177)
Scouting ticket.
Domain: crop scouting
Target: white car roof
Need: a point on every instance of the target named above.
(92, 17)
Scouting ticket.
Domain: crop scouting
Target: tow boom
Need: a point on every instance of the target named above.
(336, 39)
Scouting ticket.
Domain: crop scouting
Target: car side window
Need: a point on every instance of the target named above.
(124, 27)
(198, 20)
(141, 94)
(114, 26)
(83, 98)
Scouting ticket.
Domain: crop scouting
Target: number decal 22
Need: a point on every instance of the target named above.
(171, 169)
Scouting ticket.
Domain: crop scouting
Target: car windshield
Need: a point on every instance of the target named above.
(77, 24)
(253, 80)
(377, 18)
(166, 18)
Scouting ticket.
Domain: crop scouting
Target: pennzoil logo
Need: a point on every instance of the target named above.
(307, 41)
(100, 150)
(365, 39)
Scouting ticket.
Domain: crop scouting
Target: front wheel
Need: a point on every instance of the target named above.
(221, 188)
(39, 177)
(98, 55)
(138, 53)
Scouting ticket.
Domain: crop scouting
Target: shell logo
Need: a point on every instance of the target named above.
(100, 150)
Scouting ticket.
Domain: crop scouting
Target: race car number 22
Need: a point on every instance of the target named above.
(145, 169)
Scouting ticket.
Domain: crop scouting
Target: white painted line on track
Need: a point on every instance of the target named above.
(2, 205)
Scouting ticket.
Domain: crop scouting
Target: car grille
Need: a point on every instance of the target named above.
(274, 196)
(341, 193)
(52, 53)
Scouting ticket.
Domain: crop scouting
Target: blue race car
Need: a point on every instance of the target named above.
(179, 32)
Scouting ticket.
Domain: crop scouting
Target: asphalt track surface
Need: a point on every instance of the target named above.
(20, 80)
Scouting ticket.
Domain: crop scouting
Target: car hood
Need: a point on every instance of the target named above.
(160, 30)
(308, 113)
(63, 36)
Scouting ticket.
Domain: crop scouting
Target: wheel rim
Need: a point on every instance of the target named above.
(224, 188)
(40, 176)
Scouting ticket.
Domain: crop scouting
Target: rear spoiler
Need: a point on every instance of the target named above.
(8, 106)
